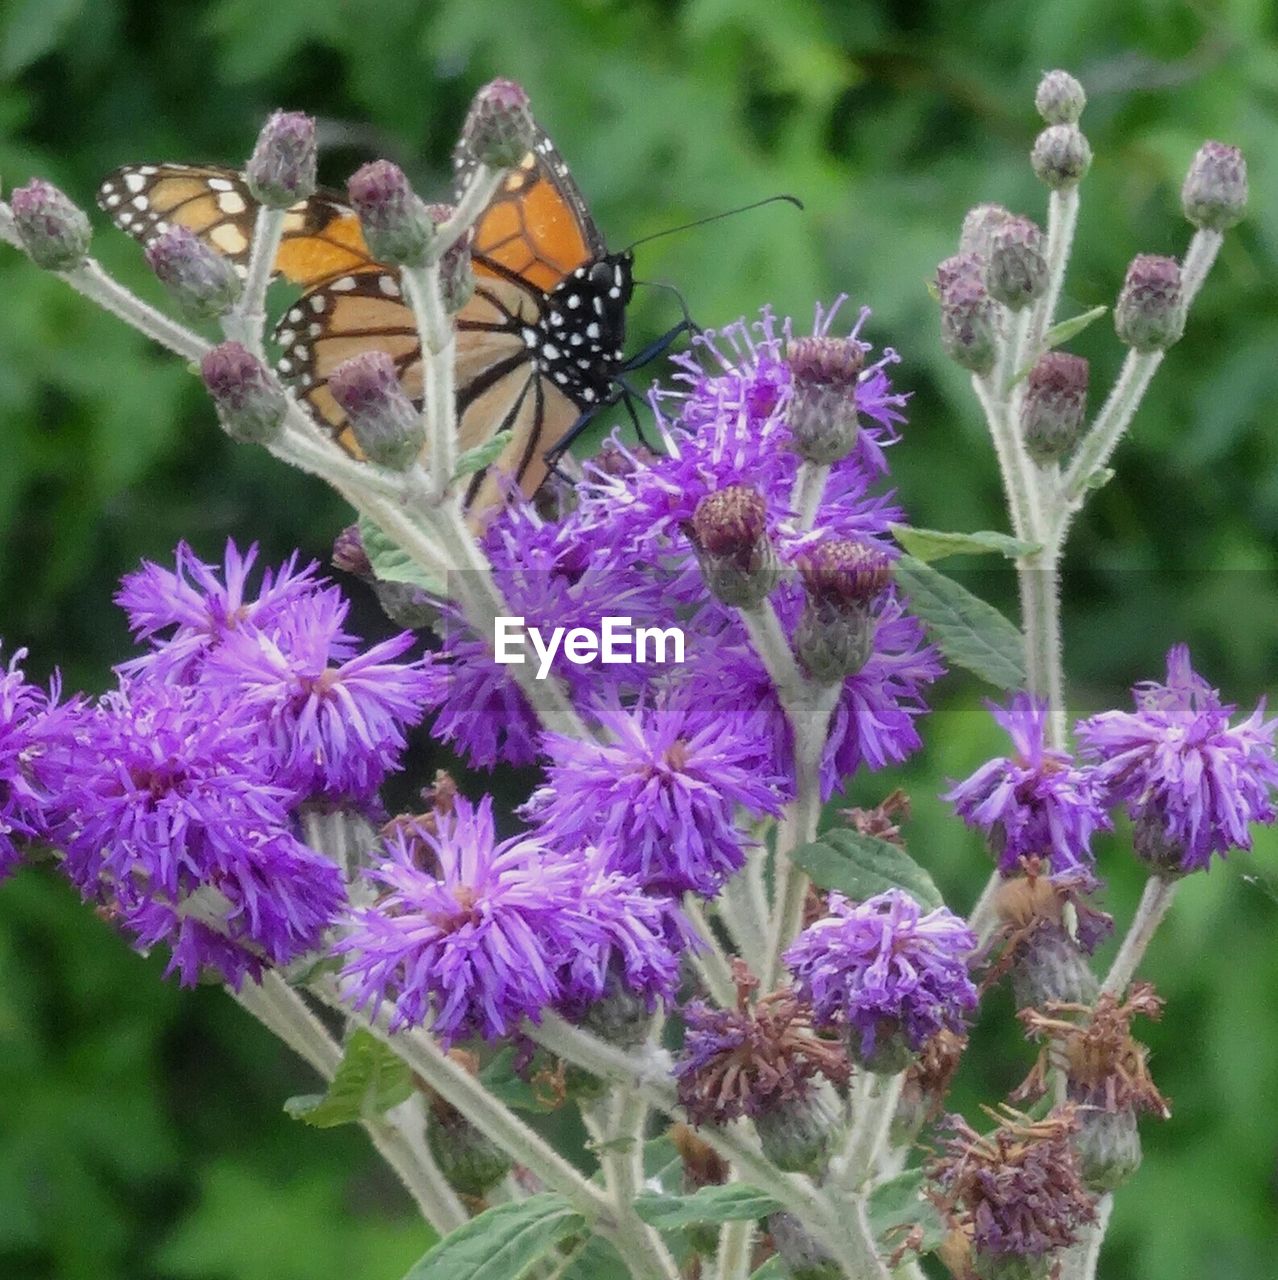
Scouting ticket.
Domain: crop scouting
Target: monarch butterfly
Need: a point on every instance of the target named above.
(538, 345)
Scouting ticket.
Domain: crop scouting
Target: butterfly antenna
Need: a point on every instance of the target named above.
(689, 324)
(716, 217)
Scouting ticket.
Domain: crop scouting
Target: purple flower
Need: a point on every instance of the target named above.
(1192, 782)
(885, 970)
(1036, 802)
(200, 606)
(167, 815)
(333, 723)
(660, 793)
(480, 943)
(26, 713)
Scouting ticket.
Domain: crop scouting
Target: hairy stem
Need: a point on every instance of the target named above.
(246, 321)
(1154, 905)
(711, 963)
(732, 1262)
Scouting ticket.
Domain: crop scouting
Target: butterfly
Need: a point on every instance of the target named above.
(539, 345)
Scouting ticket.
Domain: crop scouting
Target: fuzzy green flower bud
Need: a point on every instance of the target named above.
(843, 579)
(1060, 98)
(53, 230)
(250, 401)
(968, 331)
(979, 226)
(467, 1157)
(797, 1131)
(1016, 269)
(201, 281)
(729, 531)
(1215, 191)
(1148, 315)
(383, 419)
(1054, 405)
(1108, 1144)
(456, 274)
(1061, 156)
(821, 414)
(803, 1257)
(620, 1017)
(499, 129)
(281, 170)
(396, 222)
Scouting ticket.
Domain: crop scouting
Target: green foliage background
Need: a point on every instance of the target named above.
(140, 1127)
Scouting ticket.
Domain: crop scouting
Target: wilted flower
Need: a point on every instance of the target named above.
(1192, 782)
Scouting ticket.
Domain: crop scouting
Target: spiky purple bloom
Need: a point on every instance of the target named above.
(333, 725)
(24, 713)
(1192, 782)
(494, 932)
(882, 969)
(660, 793)
(199, 605)
(1036, 802)
(167, 815)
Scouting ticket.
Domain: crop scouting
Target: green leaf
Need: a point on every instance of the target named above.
(501, 1243)
(935, 544)
(481, 455)
(1059, 333)
(500, 1078)
(968, 631)
(595, 1260)
(897, 1206)
(730, 1202)
(860, 866)
(773, 1269)
(391, 563)
(369, 1079)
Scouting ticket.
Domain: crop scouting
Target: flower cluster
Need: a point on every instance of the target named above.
(887, 972)
(1192, 782)
(490, 932)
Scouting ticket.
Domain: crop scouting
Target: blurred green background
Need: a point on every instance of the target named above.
(141, 1134)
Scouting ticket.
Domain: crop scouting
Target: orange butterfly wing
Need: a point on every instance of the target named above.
(321, 240)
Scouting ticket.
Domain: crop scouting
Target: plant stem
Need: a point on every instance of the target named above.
(1080, 1262)
(439, 398)
(1062, 218)
(247, 319)
(476, 197)
(284, 1012)
(869, 1131)
(732, 1261)
(809, 485)
(1038, 576)
(1154, 904)
(711, 963)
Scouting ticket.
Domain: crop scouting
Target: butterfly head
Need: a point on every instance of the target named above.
(583, 329)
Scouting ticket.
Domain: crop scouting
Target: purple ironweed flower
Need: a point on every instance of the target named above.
(1192, 782)
(661, 793)
(25, 712)
(1036, 802)
(885, 971)
(167, 814)
(334, 724)
(481, 942)
(724, 424)
(200, 605)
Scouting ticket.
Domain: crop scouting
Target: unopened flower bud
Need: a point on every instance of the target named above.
(1148, 315)
(621, 1016)
(968, 331)
(250, 401)
(1051, 967)
(978, 227)
(281, 170)
(1016, 270)
(499, 129)
(396, 222)
(1215, 190)
(384, 420)
(1108, 1144)
(843, 580)
(456, 275)
(201, 281)
(822, 409)
(803, 1257)
(1054, 405)
(796, 1133)
(1060, 98)
(53, 230)
(729, 530)
(1163, 854)
(349, 554)
(1061, 156)
(467, 1157)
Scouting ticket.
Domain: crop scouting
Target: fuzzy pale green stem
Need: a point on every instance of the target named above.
(809, 486)
(1154, 905)
(872, 1119)
(711, 963)
(477, 196)
(732, 1261)
(439, 351)
(1062, 218)
(246, 321)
